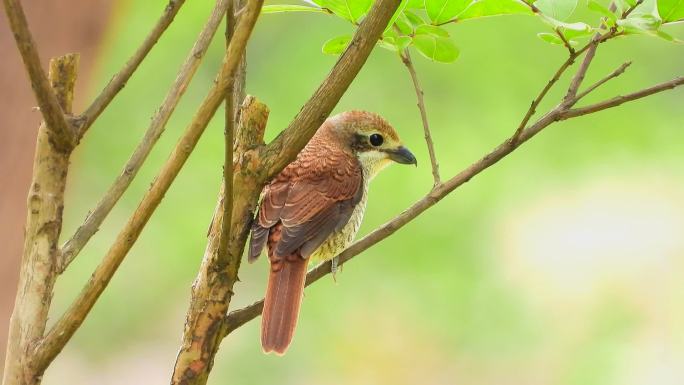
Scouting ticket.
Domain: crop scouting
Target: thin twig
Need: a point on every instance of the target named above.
(96, 216)
(566, 43)
(406, 59)
(118, 81)
(61, 133)
(581, 72)
(281, 151)
(74, 316)
(618, 100)
(630, 9)
(542, 94)
(619, 71)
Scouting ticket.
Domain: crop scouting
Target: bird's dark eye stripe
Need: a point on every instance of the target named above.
(376, 140)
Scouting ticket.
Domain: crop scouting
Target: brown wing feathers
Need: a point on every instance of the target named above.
(300, 209)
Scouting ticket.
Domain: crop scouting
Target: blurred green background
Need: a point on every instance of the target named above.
(559, 265)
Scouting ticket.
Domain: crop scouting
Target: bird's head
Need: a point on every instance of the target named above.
(369, 137)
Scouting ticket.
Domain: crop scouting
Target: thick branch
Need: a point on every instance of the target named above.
(118, 82)
(287, 145)
(60, 132)
(213, 287)
(67, 325)
(97, 215)
(43, 225)
(406, 59)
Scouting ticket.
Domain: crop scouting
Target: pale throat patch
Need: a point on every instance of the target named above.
(373, 162)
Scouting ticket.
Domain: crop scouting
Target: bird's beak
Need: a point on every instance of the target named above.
(402, 155)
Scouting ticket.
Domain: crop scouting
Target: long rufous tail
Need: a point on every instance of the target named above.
(281, 305)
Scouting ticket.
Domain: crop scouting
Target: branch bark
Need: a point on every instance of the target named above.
(213, 287)
(118, 81)
(43, 225)
(96, 216)
(62, 135)
(406, 59)
(72, 319)
(289, 143)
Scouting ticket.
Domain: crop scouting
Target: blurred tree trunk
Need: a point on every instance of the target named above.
(59, 26)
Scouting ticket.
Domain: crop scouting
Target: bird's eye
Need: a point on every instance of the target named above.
(376, 140)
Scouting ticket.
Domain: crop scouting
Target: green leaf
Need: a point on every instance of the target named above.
(402, 42)
(485, 8)
(277, 8)
(671, 10)
(439, 49)
(351, 10)
(415, 4)
(396, 14)
(336, 45)
(440, 11)
(557, 9)
(427, 29)
(414, 19)
(404, 24)
(640, 24)
(600, 8)
(550, 38)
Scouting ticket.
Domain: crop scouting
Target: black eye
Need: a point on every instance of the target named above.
(376, 140)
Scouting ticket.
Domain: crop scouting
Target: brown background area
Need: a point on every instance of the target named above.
(58, 26)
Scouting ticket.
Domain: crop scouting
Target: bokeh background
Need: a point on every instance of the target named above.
(560, 265)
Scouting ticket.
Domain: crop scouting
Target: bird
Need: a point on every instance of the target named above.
(312, 210)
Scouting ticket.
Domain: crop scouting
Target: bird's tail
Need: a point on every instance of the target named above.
(281, 305)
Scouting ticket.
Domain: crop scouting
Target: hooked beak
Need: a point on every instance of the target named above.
(402, 155)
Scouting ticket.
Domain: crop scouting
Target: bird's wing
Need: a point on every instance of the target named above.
(311, 200)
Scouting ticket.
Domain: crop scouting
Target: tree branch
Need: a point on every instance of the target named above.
(406, 59)
(118, 81)
(619, 71)
(618, 100)
(237, 318)
(213, 287)
(67, 325)
(60, 131)
(96, 216)
(290, 142)
(43, 225)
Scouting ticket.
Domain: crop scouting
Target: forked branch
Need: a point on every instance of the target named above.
(61, 132)
(96, 216)
(67, 325)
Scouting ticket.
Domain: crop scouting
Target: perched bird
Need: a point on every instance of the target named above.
(312, 210)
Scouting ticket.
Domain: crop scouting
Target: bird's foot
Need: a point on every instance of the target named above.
(334, 267)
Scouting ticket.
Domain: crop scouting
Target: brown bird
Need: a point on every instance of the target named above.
(312, 210)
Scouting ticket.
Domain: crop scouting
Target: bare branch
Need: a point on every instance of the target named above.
(619, 71)
(406, 59)
(61, 134)
(287, 145)
(43, 226)
(542, 94)
(96, 216)
(566, 43)
(581, 72)
(618, 100)
(67, 325)
(118, 81)
(213, 287)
